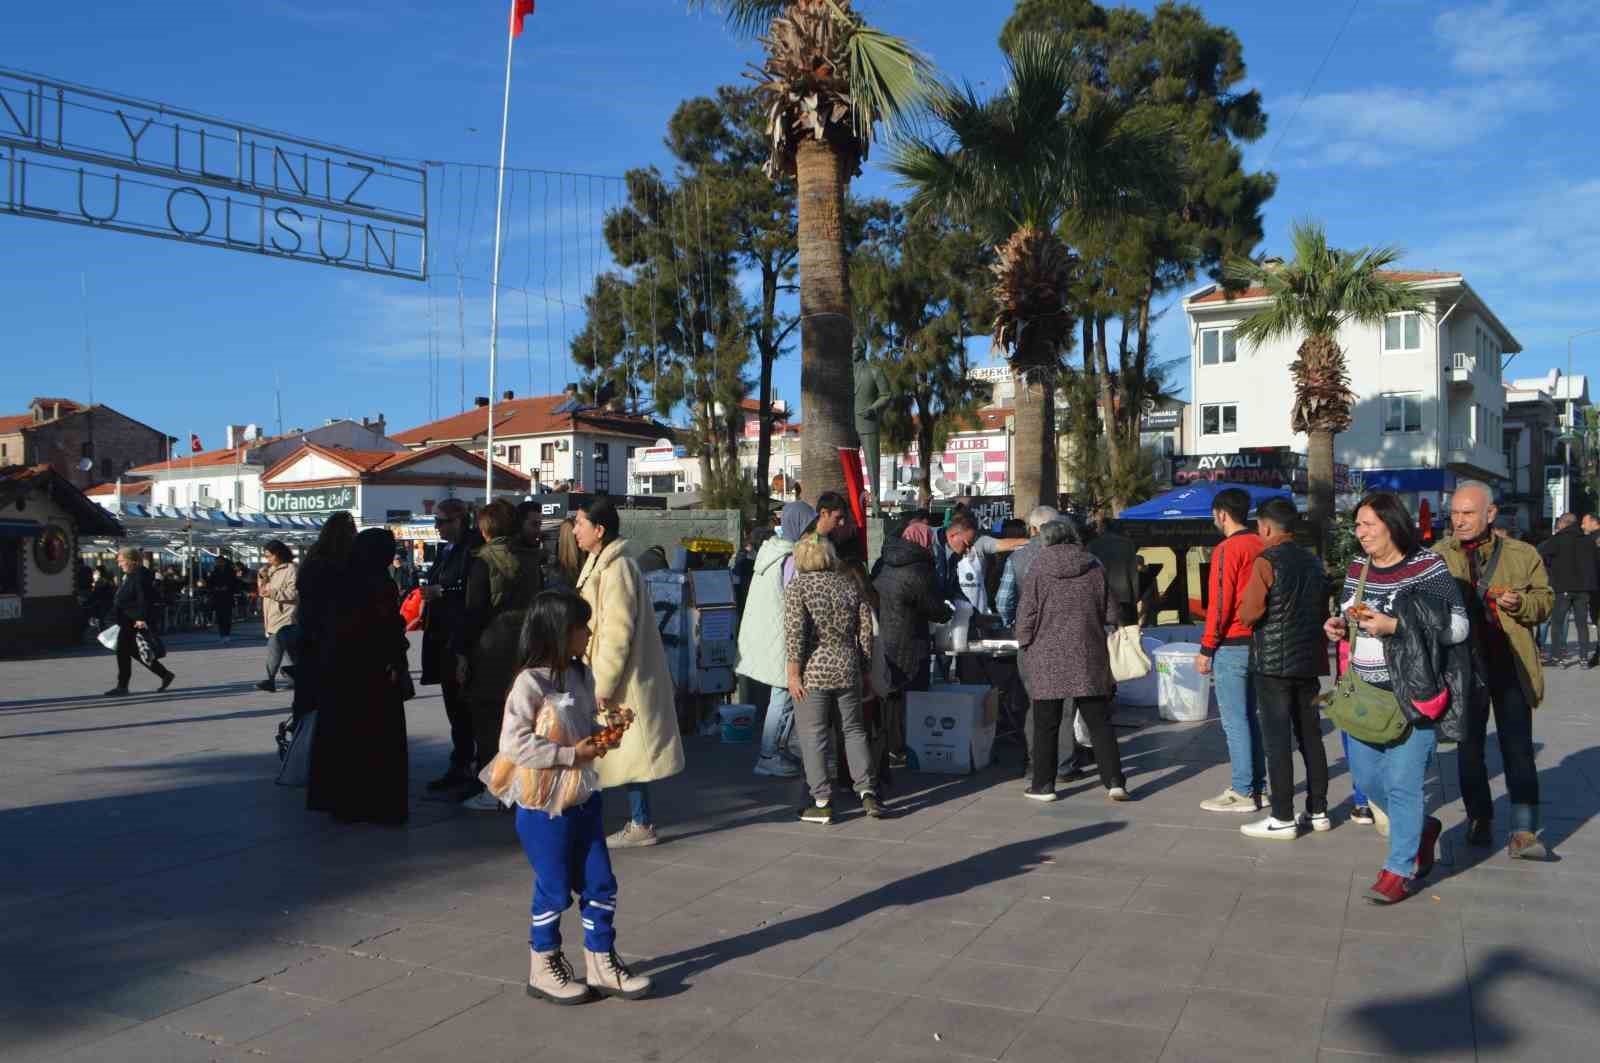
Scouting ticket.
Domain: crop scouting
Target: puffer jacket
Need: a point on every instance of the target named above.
(1422, 668)
(908, 601)
(761, 651)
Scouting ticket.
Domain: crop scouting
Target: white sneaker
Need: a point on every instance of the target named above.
(1284, 830)
(632, 836)
(1230, 800)
(1118, 793)
(1319, 822)
(482, 801)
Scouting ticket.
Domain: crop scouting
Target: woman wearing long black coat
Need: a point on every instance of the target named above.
(909, 601)
(358, 757)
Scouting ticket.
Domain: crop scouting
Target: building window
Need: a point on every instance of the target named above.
(202, 495)
(514, 455)
(1219, 419)
(2, 451)
(107, 469)
(1402, 412)
(602, 468)
(238, 496)
(1216, 346)
(1402, 332)
(86, 451)
(172, 496)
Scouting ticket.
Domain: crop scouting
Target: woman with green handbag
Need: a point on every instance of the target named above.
(1392, 743)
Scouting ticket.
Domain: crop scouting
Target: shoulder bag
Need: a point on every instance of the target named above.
(1128, 659)
(1356, 707)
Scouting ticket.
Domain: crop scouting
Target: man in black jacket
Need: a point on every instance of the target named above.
(1285, 603)
(1574, 568)
(445, 594)
(1591, 531)
(134, 607)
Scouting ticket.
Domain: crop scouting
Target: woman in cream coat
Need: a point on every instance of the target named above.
(629, 667)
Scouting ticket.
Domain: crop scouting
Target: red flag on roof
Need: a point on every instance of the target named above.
(520, 10)
(194, 442)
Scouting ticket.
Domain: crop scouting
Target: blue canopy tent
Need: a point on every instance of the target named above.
(1194, 501)
(1179, 520)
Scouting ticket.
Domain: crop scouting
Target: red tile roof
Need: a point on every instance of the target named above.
(14, 422)
(204, 459)
(1219, 295)
(529, 417)
(130, 489)
(373, 463)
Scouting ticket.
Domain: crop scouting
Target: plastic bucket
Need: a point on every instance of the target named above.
(737, 723)
(1184, 695)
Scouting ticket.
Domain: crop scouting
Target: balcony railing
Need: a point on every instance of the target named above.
(1463, 360)
(1462, 443)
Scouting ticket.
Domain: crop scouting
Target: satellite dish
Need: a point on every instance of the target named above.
(85, 464)
(943, 487)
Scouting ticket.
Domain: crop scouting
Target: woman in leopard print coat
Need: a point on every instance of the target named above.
(827, 631)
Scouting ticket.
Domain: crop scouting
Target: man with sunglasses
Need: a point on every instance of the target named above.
(444, 593)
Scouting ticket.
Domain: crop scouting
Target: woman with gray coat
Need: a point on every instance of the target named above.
(1061, 629)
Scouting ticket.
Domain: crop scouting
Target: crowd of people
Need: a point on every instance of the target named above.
(556, 687)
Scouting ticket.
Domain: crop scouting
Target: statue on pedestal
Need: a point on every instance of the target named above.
(872, 395)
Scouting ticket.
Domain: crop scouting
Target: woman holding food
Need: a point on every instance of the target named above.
(1401, 582)
(629, 667)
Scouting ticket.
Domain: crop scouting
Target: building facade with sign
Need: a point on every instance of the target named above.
(43, 517)
(1429, 407)
(229, 477)
(552, 439)
(380, 488)
(1545, 460)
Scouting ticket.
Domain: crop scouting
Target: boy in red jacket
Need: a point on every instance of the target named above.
(1225, 653)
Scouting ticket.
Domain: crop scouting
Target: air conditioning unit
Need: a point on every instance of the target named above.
(563, 444)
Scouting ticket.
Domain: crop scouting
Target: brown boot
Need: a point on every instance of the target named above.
(551, 977)
(1525, 845)
(609, 977)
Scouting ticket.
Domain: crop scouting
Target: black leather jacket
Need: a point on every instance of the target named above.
(1420, 665)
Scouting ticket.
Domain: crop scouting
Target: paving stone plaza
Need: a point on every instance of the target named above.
(163, 900)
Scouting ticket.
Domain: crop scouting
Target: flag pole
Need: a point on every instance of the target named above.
(494, 290)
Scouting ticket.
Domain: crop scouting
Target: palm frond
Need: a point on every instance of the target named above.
(891, 83)
(745, 17)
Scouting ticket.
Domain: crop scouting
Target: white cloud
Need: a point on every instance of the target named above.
(1503, 56)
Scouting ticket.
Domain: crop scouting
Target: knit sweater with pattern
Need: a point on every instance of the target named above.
(1424, 572)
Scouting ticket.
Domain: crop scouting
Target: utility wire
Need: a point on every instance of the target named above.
(1313, 83)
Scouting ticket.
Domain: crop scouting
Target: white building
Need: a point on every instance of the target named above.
(554, 439)
(229, 478)
(380, 487)
(1542, 458)
(1430, 401)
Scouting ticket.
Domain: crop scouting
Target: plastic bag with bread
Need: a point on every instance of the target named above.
(556, 789)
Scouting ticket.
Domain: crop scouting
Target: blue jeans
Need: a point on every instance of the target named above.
(780, 722)
(1236, 702)
(1358, 796)
(1395, 775)
(638, 802)
(568, 855)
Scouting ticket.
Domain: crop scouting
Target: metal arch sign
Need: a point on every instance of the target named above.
(85, 157)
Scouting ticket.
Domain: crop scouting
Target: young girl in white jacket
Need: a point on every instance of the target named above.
(548, 745)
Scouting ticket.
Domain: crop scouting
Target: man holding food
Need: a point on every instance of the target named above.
(1508, 595)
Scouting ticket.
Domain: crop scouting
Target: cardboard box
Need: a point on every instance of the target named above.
(950, 728)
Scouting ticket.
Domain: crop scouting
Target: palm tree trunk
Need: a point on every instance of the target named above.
(827, 381)
(1319, 457)
(1034, 479)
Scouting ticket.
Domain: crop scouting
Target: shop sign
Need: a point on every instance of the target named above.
(1160, 420)
(1264, 468)
(313, 500)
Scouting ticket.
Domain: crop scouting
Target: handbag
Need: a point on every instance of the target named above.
(1364, 712)
(108, 637)
(151, 648)
(1128, 659)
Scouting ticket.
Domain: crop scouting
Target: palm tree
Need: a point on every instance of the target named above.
(828, 82)
(1043, 152)
(1315, 293)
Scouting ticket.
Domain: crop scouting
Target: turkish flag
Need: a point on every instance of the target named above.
(194, 443)
(520, 10)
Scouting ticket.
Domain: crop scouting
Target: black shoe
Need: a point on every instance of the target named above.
(450, 780)
(117, 692)
(1480, 832)
(267, 685)
(166, 681)
(1593, 661)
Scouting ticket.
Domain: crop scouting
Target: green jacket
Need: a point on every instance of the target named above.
(761, 651)
(1520, 568)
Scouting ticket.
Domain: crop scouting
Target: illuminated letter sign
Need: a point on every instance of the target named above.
(77, 155)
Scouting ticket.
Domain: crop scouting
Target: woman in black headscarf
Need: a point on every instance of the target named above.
(358, 758)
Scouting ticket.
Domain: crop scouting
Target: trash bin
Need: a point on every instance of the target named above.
(707, 553)
(1184, 694)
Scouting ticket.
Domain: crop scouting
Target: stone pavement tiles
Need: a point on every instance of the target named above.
(163, 900)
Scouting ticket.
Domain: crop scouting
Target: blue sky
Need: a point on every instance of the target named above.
(1459, 131)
